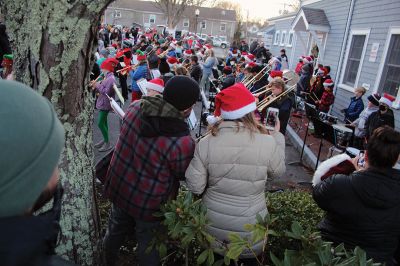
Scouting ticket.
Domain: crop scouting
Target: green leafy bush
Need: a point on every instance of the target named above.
(286, 207)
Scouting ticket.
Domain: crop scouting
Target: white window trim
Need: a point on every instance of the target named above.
(308, 2)
(152, 16)
(205, 25)
(283, 38)
(288, 38)
(392, 30)
(186, 21)
(365, 32)
(117, 12)
(276, 42)
(220, 27)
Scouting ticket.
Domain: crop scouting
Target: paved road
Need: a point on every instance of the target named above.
(293, 175)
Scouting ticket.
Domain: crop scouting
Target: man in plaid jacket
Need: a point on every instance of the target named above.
(151, 156)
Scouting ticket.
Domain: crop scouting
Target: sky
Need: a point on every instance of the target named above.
(262, 8)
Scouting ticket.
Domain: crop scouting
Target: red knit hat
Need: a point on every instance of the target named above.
(328, 83)
(156, 85)
(234, 102)
(387, 99)
(109, 64)
(276, 73)
(172, 60)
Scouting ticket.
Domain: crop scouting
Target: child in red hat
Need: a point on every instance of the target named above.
(327, 98)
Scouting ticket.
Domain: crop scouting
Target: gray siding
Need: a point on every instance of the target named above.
(282, 25)
(378, 16)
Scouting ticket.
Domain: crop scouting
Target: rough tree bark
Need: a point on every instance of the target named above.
(52, 45)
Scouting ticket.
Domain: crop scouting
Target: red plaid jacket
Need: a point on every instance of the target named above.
(327, 100)
(144, 171)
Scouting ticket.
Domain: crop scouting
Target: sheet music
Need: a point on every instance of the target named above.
(155, 73)
(142, 83)
(117, 109)
(192, 120)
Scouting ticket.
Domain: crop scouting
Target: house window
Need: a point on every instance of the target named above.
(390, 80)
(276, 39)
(152, 19)
(290, 39)
(203, 25)
(355, 55)
(117, 14)
(222, 27)
(186, 23)
(283, 38)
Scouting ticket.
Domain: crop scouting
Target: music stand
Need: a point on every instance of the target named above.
(326, 132)
(313, 114)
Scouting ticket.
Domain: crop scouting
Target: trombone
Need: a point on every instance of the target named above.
(127, 68)
(253, 79)
(265, 89)
(271, 98)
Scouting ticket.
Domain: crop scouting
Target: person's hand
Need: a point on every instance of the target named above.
(355, 161)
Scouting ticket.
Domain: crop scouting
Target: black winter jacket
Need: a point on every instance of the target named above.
(363, 209)
(376, 119)
(196, 72)
(29, 240)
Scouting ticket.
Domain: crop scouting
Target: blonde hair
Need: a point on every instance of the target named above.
(361, 89)
(248, 121)
(277, 82)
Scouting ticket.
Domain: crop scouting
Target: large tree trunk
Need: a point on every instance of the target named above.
(52, 44)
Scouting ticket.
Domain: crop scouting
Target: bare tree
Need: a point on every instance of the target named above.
(53, 42)
(174, 9)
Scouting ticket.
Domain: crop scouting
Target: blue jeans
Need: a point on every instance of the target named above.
(120, 225)
(205, 82)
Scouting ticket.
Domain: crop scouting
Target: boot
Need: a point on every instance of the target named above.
(106, 147)
(99, 144)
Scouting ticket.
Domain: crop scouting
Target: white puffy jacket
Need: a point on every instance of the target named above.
(232, 169)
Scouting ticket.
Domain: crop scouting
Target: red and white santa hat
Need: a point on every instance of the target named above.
(275, 74)
(156, 85)
(187, 52)
(328, 83)
(307, 60)
(234, 102)
(339, 164)
(172, 60)
(321, 71)
(208, 46)
(244, 53)
(249, 58)
(251, 65)
(387, 99)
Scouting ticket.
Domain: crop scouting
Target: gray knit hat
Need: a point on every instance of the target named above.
(31, 141)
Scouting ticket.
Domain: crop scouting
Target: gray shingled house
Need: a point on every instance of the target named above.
(359, 39)
(211, 21)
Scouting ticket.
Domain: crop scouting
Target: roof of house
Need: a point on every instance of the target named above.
(288, 15)
(205, 12)
(315, 16)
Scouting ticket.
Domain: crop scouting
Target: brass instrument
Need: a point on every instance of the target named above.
(270, 99)
(127, 68)
(267, 88)
(247, 84)
(96, 80)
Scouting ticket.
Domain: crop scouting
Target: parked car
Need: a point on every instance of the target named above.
(220, 43)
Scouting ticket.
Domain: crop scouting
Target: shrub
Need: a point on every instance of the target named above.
(286, 207)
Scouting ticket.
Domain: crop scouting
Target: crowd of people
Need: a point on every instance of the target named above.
(228, 167)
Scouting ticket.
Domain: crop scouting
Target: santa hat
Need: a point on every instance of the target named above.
(188, 52)
(321, 71)
(109, 64)
(251, 65)
(275, 74)
(301, 57)
(387, 99)
(140, 55)
(249, 58)
(374, 99)
(172, 60)
(328, 83)
(244, 53)
(339, 164)
(234, 102)
(307, 60)
(208, 46)
(156, 85)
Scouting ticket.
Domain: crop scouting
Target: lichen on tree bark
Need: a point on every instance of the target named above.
(52, 44)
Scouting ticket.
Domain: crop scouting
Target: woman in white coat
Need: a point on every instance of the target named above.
(230, 166)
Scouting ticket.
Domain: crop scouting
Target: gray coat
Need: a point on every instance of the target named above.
(232, 169)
